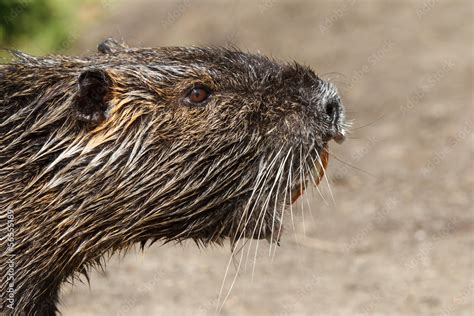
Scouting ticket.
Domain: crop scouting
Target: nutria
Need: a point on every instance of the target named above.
(134, 145)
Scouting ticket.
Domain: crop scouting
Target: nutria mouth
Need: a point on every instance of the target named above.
(135, 145)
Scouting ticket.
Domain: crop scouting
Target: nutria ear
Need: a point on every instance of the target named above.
(111, 46)
(91, 100)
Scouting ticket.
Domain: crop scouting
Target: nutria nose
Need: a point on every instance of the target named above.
(335, 111)
(332, 110)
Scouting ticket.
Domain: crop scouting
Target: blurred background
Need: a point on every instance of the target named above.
(390, 233)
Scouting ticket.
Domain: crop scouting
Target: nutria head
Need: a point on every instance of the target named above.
(132, 145)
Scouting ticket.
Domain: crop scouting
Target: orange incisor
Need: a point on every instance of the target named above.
(320, 168)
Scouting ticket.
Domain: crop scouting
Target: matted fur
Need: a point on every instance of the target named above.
(155, 168)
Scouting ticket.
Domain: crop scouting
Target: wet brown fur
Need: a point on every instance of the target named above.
(145, 166)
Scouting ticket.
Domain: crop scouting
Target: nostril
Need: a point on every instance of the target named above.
(332, 110)
(335, 113)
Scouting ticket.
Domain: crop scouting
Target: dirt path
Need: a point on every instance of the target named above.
(396, 242)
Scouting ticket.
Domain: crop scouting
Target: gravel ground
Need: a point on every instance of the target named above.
(398, 240)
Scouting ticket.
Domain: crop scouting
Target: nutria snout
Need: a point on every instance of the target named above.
(132, 145)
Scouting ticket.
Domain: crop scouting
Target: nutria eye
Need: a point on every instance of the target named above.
(197, 95)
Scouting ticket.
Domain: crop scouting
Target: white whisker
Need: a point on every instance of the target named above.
(325, 176)
(316, 183)
(231, 286)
